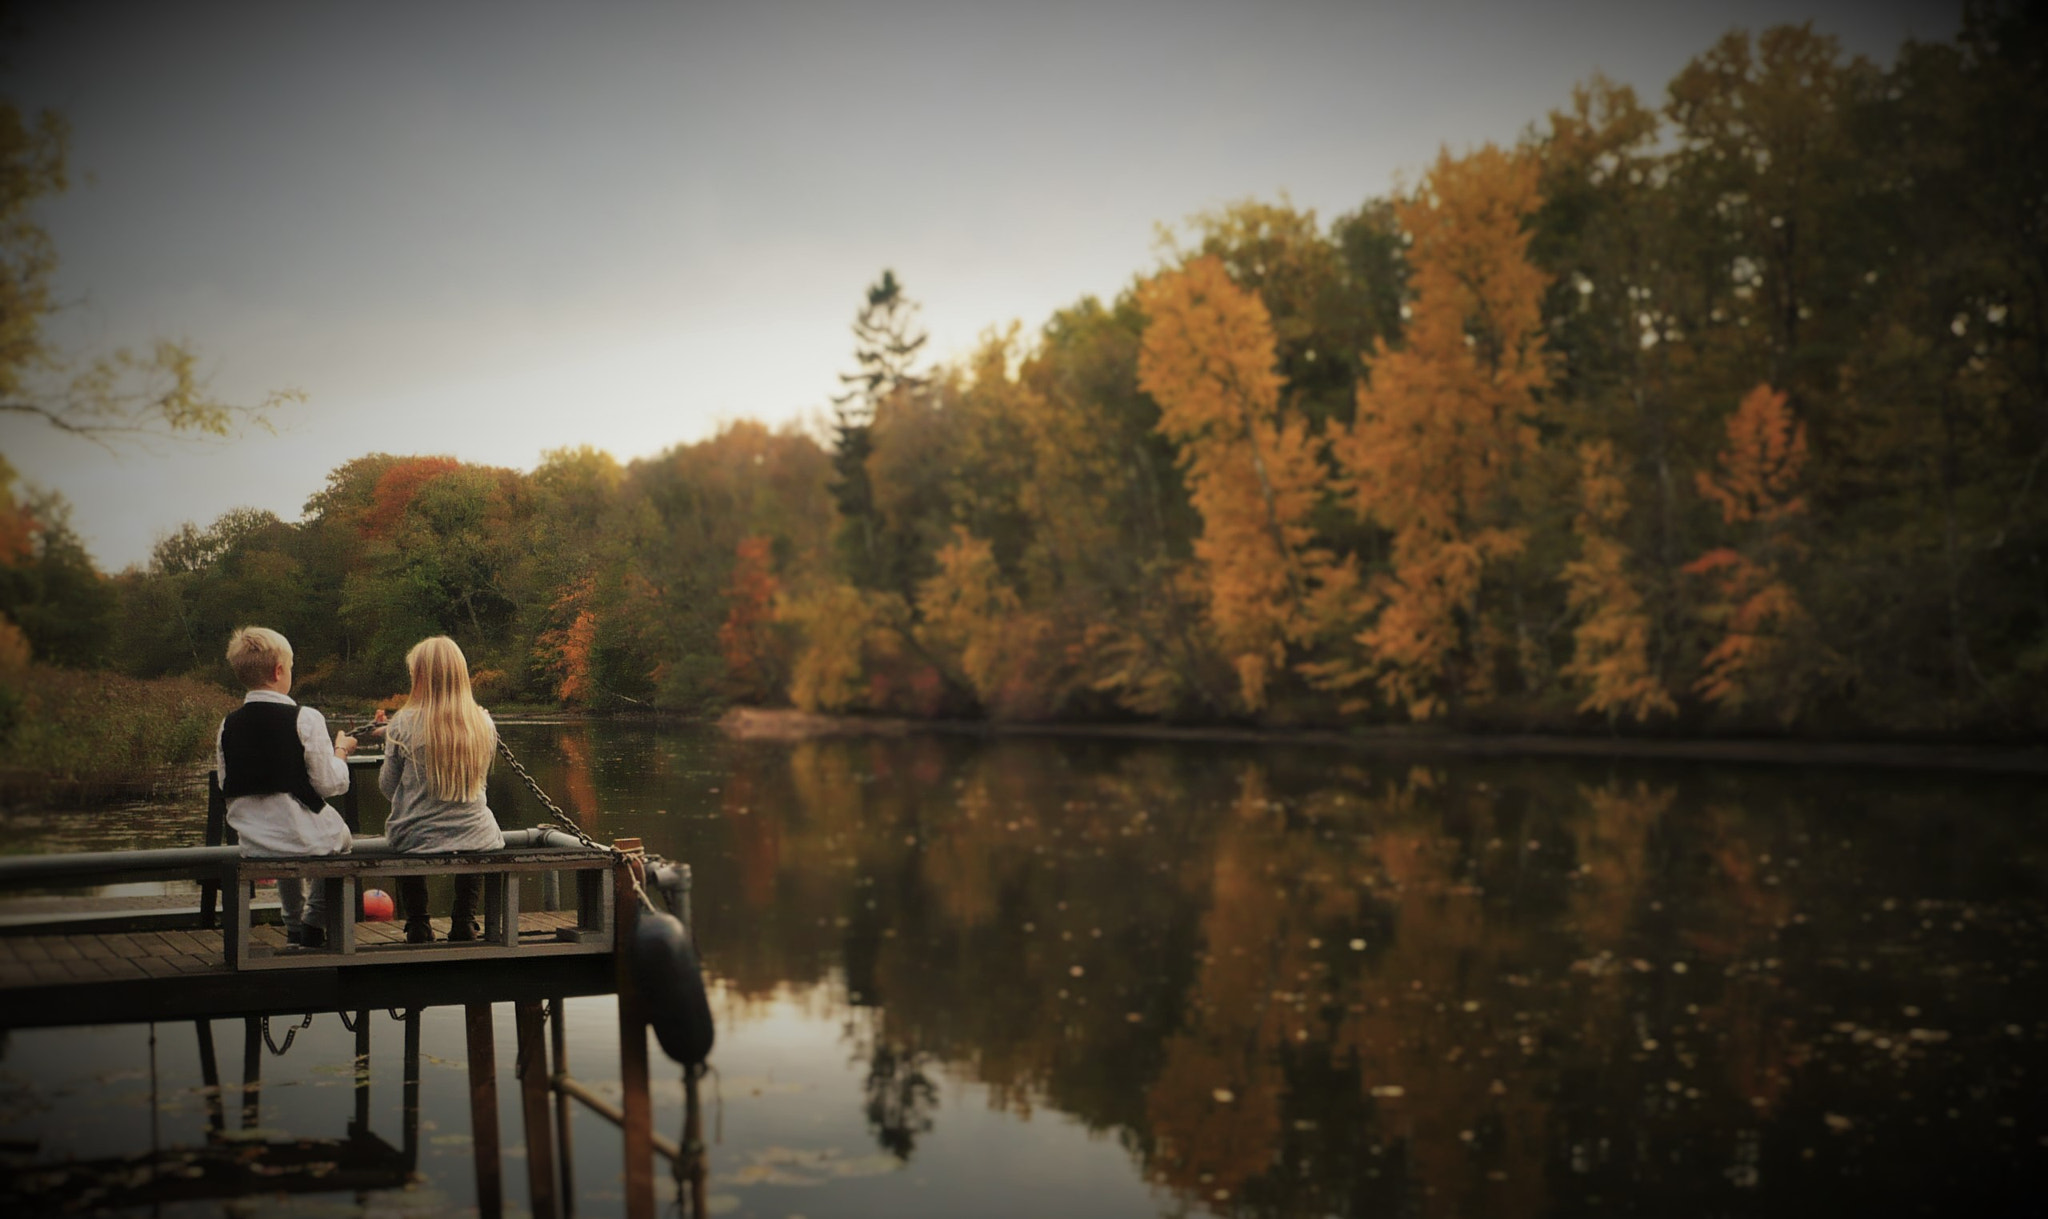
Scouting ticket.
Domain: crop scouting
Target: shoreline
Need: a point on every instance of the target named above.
(785, 725)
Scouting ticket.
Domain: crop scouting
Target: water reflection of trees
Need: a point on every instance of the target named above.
(1296, 984)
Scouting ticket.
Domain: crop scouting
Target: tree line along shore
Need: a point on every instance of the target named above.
(1720, 414)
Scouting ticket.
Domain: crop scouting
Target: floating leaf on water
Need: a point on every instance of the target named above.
(1224, 1096)
(1839, 1124)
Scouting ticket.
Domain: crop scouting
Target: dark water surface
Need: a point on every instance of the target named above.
(1067, 978)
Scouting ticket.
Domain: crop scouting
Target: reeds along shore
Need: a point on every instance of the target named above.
(70, 736)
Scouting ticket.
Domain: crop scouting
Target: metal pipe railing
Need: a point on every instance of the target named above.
(206, 863)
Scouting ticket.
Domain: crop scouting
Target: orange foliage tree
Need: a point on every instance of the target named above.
(1611, 644)
(746, 638)
(1755, 608)
(396, 489)
(567, 651)
(1443, 428)
(1254, 471)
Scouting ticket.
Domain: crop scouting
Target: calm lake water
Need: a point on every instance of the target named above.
(1057, 977)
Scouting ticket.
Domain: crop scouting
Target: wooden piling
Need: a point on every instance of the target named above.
(483, 1110)
(533, 1103)
(638, 1111)
(216, 835)
(565, 1157)
(692, 1167)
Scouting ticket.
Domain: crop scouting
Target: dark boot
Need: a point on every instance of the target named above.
(418, 930)
(462, 927)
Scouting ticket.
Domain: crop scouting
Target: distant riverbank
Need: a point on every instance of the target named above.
(782, 724)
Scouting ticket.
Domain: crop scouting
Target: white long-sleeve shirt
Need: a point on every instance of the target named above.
(277, 824)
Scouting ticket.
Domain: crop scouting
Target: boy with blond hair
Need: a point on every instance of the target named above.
(277, 769)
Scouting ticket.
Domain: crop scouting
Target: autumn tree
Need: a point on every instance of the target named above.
(974, 621)
(1443, 429)
(1611, 644)
(568, 651)
(1755, 610)
(1253, 469)
(754, 664)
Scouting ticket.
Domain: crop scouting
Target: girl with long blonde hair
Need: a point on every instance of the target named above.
(437, 754)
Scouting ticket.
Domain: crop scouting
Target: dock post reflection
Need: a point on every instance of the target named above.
(565, 1148)
(410, 1149)
(209, 1075)
(361, 1124)
(252, 1070)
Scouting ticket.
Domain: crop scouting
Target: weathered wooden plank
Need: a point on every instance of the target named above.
(119, 968)
(125, 947)
(59, 949)
(158, 967)
(91, 946)
(85, 969)
(192, 943)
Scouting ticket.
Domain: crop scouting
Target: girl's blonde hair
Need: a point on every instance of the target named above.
(451, 734)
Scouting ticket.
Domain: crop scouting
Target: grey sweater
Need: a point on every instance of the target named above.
(420, 821)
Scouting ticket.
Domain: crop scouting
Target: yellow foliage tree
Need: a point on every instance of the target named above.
(1254, 470)
(975, 623)
(1754, 486)
(1611, 644)
(845, 631)
(1443, 427)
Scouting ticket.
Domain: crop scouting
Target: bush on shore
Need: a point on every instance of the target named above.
(88, 735)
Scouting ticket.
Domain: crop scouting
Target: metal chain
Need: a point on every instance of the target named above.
(569, 823)
(289, 1034)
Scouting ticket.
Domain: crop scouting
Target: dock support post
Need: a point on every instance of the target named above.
(565, 1149)
(533, 1102)
(216, 831)
(361, 1126)
(638, 1125)
(483, 1110)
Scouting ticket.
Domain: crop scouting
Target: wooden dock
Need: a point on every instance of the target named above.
(72, 968)
(56, 980)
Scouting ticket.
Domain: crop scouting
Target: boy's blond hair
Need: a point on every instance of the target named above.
(255, 652)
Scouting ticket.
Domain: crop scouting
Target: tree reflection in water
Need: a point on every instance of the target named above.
(1295, 982)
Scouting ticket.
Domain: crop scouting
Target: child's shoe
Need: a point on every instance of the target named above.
(313, 937)
(462, 931)
(418, 931)
(295, 934)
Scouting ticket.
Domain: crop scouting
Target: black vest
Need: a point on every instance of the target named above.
(260, 744)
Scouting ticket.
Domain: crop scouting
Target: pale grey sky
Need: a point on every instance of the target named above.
(496, 229)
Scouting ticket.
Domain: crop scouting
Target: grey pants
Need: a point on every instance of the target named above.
(299, 909)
